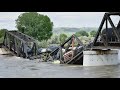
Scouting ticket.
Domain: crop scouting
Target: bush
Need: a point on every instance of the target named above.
(43, 44)
(93, 33)
(1, 39)
(62, 38)
(54, 40)
(81, 33)
(2, 33)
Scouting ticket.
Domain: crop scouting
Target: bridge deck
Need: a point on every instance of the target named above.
(23, 36)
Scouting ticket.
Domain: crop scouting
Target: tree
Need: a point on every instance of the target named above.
(93, 33)
(62, 38)
(81, 33)
(2, 32)
(36, 25)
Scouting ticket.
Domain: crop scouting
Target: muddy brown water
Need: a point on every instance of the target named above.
(15, 67)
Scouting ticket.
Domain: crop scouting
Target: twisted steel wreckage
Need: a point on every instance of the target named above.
(71, 51)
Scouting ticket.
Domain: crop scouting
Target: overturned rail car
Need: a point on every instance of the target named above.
(64, 48)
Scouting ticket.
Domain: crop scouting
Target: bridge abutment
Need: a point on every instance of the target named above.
(3, 51)
(100, 57)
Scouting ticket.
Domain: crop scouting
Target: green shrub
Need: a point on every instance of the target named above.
(43, 44)
(1, 39)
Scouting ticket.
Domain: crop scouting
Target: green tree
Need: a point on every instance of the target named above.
(2, 35)
(81, 33)
(62, 37)
(2, 32)
(36, 25)
(93, 33)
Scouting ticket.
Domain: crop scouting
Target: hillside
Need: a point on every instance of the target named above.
(68, 30)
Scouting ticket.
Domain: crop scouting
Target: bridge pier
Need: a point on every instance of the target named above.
(119, 56)
(100, 57)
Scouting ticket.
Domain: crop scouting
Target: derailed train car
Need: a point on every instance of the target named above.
(69, 52)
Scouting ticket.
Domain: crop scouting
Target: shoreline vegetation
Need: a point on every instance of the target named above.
(68, 31)
(64, 33)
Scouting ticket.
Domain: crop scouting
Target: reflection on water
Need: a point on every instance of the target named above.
(15, 67)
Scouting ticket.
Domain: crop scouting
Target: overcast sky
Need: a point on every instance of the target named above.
(60, 19)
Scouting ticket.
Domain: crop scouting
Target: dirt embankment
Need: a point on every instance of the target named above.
(3, 51)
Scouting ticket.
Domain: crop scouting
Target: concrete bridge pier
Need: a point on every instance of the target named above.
(100, 57)
(119, 56)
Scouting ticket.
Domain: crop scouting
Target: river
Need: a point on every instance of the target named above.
(16, 67)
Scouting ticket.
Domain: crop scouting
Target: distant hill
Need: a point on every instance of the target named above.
(68, 30)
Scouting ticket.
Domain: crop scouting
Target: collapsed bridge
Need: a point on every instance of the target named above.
(107, 38)
(19, 44)
(105, 41)
(61, 52)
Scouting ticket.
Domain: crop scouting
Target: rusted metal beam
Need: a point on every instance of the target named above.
(61, 54)
(66, 41)
(99, 29)
(78, 55)
(15, 36)
(80, 43)
(61, 45)
(69, 43)
(106, 31)
(26, 37)
(104, 41)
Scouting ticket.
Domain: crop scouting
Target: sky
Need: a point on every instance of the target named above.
(60, 19)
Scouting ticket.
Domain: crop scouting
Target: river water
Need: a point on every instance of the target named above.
(15, 67)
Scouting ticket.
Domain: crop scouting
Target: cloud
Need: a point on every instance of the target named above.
(75, 19)
(60, 19)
